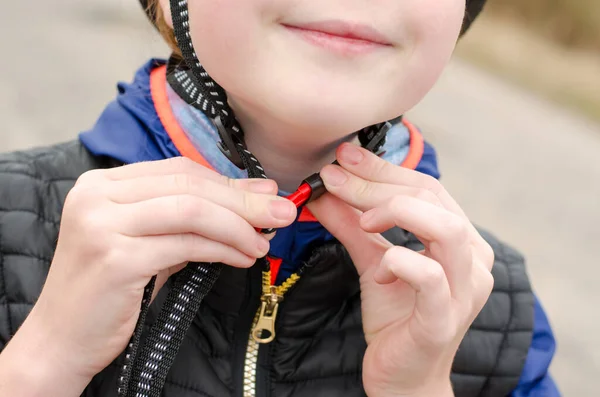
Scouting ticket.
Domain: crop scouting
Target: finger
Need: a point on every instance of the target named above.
(371, 167)
(191, 214)
(175, 165)
(445, 234)
(146, 187)
(364, 194)
(260, 210)
(427, 278)
(158, 182)
(172, 250)
(342, 221)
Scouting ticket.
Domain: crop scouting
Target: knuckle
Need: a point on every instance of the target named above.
(396, 204)
(427, 195)
(248, 203)
(381, 167)
(91, 177)
(114, 258)
(74, 198)
(393, 254)
(487, 254)
(187, 207)
(231, 182)
(432, 184)
(94, 221)
(87, 191)
(363, 188)
(455, 227)
(183, 182)
(433, 275)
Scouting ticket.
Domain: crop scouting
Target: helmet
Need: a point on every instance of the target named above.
(474, 7)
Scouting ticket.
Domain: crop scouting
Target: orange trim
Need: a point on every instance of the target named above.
(275, 264)
(158, 88)
(416, 147)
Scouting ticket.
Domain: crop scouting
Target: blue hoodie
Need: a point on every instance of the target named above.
(130, 131)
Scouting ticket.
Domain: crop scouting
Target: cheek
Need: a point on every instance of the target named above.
(224, 33)
(436, 27)
(432, 28)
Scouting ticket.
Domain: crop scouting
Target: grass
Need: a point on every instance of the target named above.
(518, 52)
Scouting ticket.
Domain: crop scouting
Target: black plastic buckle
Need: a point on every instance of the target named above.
(227, 146)
(316, 185)
(377, 141)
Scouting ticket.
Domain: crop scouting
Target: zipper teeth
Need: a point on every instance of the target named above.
(250, 362)
(287, 284)
(251, 358)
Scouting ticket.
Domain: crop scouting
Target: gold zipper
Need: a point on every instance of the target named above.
(263, 330)
(263, 326)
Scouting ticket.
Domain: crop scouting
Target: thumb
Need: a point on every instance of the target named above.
(343, 222)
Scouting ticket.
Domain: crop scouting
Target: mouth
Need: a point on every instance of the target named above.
(342, 37)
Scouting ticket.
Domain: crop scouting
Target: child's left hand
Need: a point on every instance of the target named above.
(416, 306)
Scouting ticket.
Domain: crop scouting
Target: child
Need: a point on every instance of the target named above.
(169, 179)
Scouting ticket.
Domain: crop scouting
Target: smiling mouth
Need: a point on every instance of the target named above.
(341, 37)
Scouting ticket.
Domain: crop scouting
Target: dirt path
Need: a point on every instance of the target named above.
(521, 167)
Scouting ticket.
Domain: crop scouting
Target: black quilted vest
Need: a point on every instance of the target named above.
(320, 344)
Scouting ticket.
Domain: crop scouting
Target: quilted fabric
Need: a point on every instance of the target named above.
(320, 343)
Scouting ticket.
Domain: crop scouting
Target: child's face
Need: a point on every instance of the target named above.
(250, 49)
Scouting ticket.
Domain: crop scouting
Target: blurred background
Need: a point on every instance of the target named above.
(515, 119)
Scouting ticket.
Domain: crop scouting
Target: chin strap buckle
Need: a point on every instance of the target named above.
(227, 146)
(375, 140)
(313, 187)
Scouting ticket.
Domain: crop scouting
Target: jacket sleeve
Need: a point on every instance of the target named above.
(535, 379)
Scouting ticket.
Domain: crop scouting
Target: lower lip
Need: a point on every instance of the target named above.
(342, 45)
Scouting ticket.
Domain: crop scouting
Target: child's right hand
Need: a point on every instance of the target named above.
(124, 225)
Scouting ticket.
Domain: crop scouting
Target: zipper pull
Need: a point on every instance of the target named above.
(264, 330)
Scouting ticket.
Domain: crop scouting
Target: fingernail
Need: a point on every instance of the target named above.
(351, 154)
(333, 175)
(263, 246)
(282, 209)
(261, 186)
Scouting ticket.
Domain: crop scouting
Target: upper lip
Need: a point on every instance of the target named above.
(350, 30)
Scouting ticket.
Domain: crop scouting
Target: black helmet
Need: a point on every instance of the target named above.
(474, 7)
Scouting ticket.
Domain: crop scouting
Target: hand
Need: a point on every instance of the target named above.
(124, 225)
(416, 306)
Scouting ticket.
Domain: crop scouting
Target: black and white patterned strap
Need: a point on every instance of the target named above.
(144, 371)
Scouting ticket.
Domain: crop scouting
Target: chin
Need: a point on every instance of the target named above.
(331, 111)
(331, 118)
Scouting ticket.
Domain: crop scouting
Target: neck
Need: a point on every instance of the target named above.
(288, 153)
